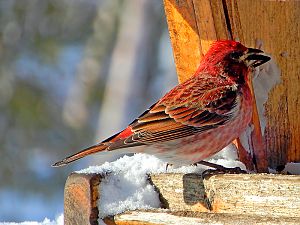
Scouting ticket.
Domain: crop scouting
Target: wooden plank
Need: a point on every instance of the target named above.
(246, 196)
(253, 194)
(183, 32)
(205, 24)
(266, 195)
(189, 218)
(80, 199)
(277, 26)
(192, 28)
(181, 192)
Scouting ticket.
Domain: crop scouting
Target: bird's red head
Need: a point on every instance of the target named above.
(232, 57)
(219, 50)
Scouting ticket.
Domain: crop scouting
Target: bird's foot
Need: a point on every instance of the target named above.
(223, 170)
(219, 169)
(167, 165)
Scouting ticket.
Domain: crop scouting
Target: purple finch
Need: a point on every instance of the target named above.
(197, 118)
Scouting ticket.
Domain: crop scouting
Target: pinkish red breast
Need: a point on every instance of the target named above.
(195, 148)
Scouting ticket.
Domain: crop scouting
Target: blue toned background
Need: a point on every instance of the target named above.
(71, 73)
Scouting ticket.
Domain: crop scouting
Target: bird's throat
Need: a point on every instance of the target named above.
(238, 73)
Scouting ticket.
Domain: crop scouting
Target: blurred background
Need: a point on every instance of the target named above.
(71, 73)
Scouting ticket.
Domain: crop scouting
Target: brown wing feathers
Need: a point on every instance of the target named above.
(168, 120)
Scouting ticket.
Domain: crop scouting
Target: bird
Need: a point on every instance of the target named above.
(197, 118)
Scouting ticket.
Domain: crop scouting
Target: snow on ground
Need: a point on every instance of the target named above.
(59, 221)
(292, 168)
(266, 77)
(126, 187)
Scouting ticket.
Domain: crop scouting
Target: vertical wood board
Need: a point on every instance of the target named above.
(184, 36)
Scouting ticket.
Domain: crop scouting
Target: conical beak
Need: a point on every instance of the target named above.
(255, 57)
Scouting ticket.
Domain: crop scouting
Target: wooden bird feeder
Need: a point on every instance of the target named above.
(224, 199)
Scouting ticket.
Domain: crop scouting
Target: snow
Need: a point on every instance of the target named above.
(265, 77)
(58, 221)
(126, 186)
(292, 168)
(245, 138)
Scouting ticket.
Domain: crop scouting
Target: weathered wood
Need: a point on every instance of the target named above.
(80, 199)
(181, 191)
(247, 197)
(189, 218)
(183, 32)
(244, 155)
(255, 194)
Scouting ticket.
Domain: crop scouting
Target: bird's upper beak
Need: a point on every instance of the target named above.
(254, 57)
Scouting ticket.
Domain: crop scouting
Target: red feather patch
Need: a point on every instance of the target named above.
(125, 133)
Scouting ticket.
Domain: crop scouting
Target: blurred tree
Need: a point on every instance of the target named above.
(58, 60)
(92, 71)
(134, 68)
(40, 45)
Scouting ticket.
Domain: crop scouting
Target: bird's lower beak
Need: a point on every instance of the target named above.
(255, 57)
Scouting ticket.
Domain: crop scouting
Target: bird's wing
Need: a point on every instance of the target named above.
(188, 109)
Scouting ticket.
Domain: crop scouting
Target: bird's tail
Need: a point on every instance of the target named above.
(90, 150)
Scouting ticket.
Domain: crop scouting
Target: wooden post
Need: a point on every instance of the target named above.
(196, 218)
(251, 194)
(225, 198)
(193, 25)
(221, 199)
(80, 199)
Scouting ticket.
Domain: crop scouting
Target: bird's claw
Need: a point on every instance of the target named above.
(167, 165)
(223, 170)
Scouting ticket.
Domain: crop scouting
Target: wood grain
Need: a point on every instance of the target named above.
(253, 194)
(183, 33)
(189, 218)
(80, 199)
(181, 192)
(257, 142)
(240, 196)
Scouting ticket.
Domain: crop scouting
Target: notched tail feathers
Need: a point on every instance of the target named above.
(90, 150)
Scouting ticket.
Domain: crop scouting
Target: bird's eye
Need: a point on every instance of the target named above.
(235, 55)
